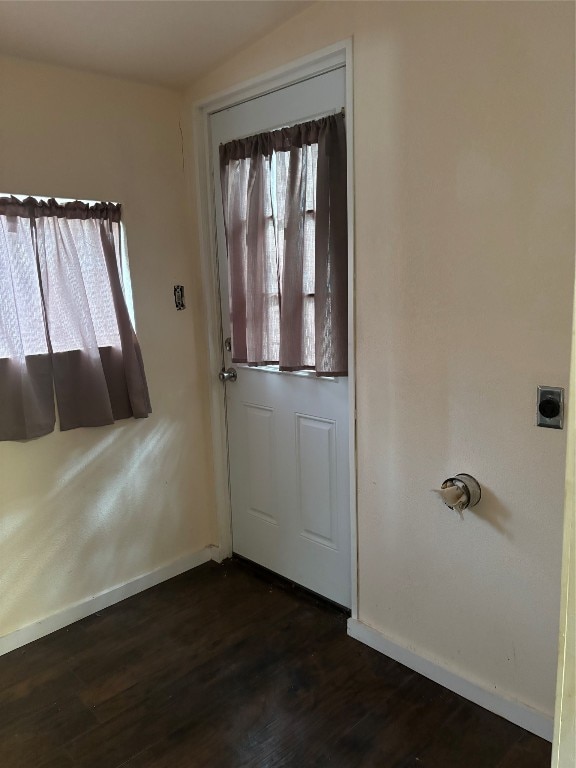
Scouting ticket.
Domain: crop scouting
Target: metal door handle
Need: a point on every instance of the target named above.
(228, 374)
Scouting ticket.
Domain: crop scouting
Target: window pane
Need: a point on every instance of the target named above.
(22, 330)
(80, 314)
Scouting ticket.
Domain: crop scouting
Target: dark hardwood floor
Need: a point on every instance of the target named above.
(229, 668)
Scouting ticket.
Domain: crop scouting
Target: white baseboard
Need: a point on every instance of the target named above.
(517, 713)
(219, 554)
(84, 608)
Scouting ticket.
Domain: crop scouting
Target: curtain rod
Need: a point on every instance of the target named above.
(309, 120)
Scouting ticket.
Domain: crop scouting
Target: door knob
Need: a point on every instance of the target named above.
(228, 374)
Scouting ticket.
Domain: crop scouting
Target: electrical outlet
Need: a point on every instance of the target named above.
(179, 297)
(550, 407)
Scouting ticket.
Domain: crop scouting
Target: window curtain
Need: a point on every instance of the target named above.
(65, 329)
(285, 215)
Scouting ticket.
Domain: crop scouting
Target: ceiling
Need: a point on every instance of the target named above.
(165, 42)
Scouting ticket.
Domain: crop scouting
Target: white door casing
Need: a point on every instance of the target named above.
(287, 433)
(296, 71)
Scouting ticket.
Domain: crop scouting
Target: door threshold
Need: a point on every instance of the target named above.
(271, 577)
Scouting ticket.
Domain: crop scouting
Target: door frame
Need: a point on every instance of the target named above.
(324, 60)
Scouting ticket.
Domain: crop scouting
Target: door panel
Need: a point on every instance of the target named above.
(258, 428)
(316, 467)
(287, 432)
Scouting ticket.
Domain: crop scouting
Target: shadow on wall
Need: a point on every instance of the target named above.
(492, 511)
(115, 510)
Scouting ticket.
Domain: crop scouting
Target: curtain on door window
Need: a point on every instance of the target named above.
(65, 329)
(285, 214)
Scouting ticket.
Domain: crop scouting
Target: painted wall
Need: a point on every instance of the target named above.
(83, 511)
(464, 184)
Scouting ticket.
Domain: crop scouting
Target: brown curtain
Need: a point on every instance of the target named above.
(65, 330)
(284, 201)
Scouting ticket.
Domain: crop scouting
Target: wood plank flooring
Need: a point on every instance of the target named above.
(226, 667)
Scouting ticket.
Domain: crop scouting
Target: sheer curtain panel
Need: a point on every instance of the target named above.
(65, 329)
(285, 215)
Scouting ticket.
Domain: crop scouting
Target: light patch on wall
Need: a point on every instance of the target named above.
(99, 487)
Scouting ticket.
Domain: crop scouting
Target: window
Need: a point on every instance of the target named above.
(264, 315)
(66, 329)
(284, 203)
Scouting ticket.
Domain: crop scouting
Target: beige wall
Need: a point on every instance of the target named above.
(464, 199)
(83, 511)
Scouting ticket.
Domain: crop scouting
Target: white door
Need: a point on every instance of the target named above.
(287, 432)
